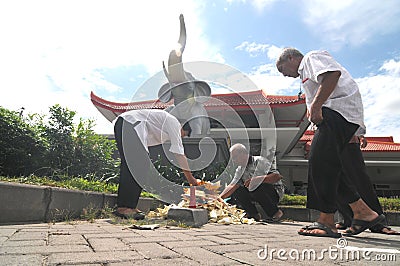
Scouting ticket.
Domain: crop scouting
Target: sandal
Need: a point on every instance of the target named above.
(318, 225)
(381, 230)
(358, 226)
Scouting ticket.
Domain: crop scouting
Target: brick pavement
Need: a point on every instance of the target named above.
(104, 243)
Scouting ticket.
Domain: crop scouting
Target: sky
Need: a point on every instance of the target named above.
(58, 51)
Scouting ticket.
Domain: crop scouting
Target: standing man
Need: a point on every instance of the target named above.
(270, 188)
(334, 105)
(140, 129)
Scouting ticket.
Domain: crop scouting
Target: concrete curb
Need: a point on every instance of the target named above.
(21, 203)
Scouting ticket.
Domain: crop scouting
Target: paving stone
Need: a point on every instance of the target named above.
(43, 249)
(154, 239)
(194, 243)
(36, 235)
(126, 234)
(94, 257)
(181, 236)
(108, 244)
(21, 243)
(66, 239)
(154, 250)
(219, 240)
(158, 261)
(21, 260)
(222, 249)
(205, 257)
(7, 232)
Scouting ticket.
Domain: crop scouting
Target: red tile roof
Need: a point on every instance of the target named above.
(375, 144)
(243, 99)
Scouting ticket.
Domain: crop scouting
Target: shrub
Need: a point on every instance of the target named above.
(53, 146)
(22, 150)
(293, 200)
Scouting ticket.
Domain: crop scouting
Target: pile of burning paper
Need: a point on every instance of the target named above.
(207, 198)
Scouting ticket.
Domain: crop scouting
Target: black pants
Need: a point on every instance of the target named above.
(354, 168)
(325, 181)
(265, 195)
(128, 189)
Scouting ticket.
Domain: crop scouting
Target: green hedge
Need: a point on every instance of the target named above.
(388, 204)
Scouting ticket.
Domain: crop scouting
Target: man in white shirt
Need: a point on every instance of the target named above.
(334, 105)
(268, 189)
(140, 129)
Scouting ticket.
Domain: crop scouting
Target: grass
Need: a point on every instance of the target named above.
(74, 183)
(388, 204)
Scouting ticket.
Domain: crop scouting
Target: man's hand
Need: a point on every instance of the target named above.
(193, 181)
(363, 141)
(315, 114)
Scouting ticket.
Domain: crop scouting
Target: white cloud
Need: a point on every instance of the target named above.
(381, 100)
(261, 5)
(258, 5)
(392, 67)
(352, 22)
(255, 49)
(266, 76)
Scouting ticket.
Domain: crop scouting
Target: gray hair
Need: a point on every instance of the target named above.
(239, 148)
(286, 53)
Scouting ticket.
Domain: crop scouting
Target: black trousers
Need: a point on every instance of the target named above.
(265, 195)
(128, 190)
(354, 168)
(325, 181)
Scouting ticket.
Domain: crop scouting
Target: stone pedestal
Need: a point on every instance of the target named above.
(191, 217)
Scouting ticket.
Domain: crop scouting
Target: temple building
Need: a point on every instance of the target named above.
(293, 139)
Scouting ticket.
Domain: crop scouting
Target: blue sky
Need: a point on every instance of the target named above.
(59, 51)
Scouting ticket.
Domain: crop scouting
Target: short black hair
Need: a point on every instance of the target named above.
(186, 127)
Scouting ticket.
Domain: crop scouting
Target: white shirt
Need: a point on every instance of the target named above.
(346, 97)
(156, 127)
(257, 166)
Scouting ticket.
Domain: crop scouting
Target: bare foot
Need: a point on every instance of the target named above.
(278, 215)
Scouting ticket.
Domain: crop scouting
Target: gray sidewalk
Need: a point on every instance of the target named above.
(104, 243)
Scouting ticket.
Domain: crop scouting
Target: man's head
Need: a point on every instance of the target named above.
(186, 130)
(239, 154)
(289, 61)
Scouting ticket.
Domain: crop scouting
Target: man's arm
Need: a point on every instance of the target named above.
(272, 178)
(269, 178)
(327, 86)
(228, 191)
(183, 164)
